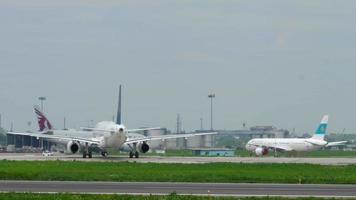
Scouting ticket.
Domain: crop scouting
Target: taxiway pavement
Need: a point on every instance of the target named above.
(168, 159)
(159, 188)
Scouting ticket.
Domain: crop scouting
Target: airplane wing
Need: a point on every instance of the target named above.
(58, 137)
(128, 130)
(316, 142)
(96, 129)
(280, 148)
(277, 147)
(143, 129)
(340, 143)
(165, 137)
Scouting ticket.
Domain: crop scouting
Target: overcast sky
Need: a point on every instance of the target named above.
(281, 63)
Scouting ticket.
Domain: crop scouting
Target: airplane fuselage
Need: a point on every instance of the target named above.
(113, 136)
(107, 133)
(295, 144)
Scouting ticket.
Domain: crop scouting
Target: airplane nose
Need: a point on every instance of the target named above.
(248, 146)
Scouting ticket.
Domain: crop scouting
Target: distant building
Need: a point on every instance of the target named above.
(236, 138)
(156, 144)
(204, 141)
(24, 143)
(258, 132)
(214, 152)
(178, 143)
(239, 138)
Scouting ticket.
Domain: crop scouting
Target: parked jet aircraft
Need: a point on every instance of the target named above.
(261, 146)
(104, 135)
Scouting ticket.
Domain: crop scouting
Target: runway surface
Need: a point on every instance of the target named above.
(163, 159)
(213, 189)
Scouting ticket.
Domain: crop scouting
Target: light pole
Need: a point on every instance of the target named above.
(42, 99)
(201, 123)
(211, 96)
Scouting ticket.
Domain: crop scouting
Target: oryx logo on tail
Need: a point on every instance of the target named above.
(43, 122)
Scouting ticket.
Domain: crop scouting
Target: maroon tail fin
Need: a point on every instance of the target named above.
(43, 122)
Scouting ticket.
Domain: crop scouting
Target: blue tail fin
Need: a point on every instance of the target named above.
(321, 130)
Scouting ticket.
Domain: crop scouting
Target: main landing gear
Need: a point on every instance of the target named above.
(132, 154)
(104, 154)
(134, 151)
(89, 154)
(87, 151)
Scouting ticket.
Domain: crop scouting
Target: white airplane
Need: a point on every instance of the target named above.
(261, 146)
(104, 135)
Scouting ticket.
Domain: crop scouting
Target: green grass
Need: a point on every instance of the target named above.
(212, 172)
(328, 153)
(178, 153)
(244, 153)
(311, 154)
(61, 196)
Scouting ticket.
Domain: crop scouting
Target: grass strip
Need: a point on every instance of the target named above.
(161, 172)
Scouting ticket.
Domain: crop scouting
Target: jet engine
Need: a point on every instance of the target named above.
(260, 151)
(143, 147)
(73, 147)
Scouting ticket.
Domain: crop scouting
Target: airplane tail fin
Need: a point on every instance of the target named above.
(321, 130)
(43, 122)
(118, 116)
